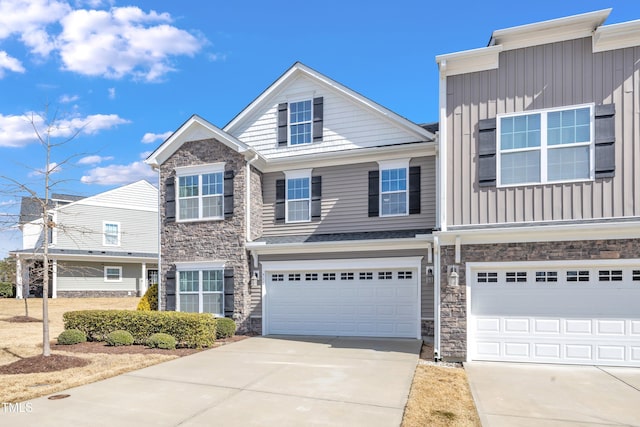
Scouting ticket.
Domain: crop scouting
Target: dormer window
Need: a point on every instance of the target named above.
(300, 122)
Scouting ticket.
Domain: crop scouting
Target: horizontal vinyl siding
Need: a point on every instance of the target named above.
(89, 276)
(141, 195)
(80, 227)
(345, 124)
(427, 286)
(345, 191)
(552, 75)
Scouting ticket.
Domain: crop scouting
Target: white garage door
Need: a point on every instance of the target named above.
(556, 314)
(382, 302)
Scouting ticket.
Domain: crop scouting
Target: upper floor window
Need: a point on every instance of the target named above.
(298, 202)
(546, 146)
(394, 194)
(300, 122)
(111, 233)
(201, 192)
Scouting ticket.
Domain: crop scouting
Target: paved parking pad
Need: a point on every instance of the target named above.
(513, 394)
(284, 381)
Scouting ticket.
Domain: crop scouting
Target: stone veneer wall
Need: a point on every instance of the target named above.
(453, 327)
(209, 240)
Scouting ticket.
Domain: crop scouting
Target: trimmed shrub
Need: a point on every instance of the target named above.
(119, 337)
(149, 301)
(189, 329)
(225, 327)
(6, 290)
(160, 340)
(71, 336)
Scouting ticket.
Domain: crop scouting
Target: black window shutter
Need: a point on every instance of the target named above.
(170, 199)
(318, 117)
(316, 198)
(282, 124)
(487, 153)
(280, 201)
(605, 129)
(414, 190)
(374, 193)
(228, 292)
(228, 193)
(170, 290)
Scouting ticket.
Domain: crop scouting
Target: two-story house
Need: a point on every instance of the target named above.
(539, 153)
(103, 245)
(310, 213)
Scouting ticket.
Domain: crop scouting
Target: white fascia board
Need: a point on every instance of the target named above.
(348, 157)
(551, 31)
(543, 233)
(262, 248)
(617, 36)
(180, 136)
(199, 265)
(469, 61)
(353, 263)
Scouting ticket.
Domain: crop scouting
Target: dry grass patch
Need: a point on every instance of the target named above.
(439, 397)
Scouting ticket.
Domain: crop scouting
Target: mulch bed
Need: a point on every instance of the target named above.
(40, 363)
(22, 319)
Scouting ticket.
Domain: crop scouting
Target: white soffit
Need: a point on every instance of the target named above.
(469, 61)
(617, 36)
(555, 30)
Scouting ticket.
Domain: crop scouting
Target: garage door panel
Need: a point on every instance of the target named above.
(547, 326)
(635, 327)
(516, 325)
(578, 326)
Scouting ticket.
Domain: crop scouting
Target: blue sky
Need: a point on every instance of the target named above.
(127, 73)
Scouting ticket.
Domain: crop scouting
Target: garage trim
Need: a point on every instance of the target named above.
(336, 264)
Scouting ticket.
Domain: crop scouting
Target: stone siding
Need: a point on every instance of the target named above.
(427, 328)
(453, 327)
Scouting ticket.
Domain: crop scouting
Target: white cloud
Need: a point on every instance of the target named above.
(145, 154)
(17, 131)
(53, 168)
(112, 93)
(149, 137)
(119, 174)
(94, 160)
(9, 63)
(67, 99)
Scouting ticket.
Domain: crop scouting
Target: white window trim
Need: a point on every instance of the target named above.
(104, 233)
(293, 101)
(119, 268)
(543, 149)
(295, 174)
(393, 164)
(199, 170)
(199, 267)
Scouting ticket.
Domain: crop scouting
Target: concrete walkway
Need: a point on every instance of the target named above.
(523, 394)
(269, 381)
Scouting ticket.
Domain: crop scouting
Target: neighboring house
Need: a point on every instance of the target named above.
(539, 248)
(310, 213)
(104, 245)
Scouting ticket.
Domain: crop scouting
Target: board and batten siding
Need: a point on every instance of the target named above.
(345, 195)
(81, 227)
(89, 276)
(552, 75)
(346, 125)
(426, 290)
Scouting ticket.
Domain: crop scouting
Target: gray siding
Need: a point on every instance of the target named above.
(80, 227)
(427, 284)
(552, 75)
(345, 202)
(89, 276)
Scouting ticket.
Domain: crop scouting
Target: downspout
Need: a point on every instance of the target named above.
(247, 204)
(436, 298)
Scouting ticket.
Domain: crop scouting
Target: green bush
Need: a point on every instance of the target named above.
(189, 329)
(71, 336)
(6, 290)
(149, 301)
(160, 340)
(225, 327)
(119, 337)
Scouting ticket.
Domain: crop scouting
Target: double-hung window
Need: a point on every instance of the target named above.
(201, 192)
(298, 191)
(112, 274)
(110, 233)
(546, 146)
(394, 194)
(300, 122)
(201, 291)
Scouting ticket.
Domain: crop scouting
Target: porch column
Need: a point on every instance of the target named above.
(18, 278)
(143, 282)
(54, 279)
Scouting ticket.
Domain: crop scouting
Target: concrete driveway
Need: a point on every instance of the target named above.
(519, 394)
(270, 381)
